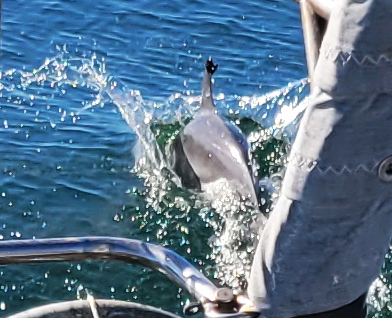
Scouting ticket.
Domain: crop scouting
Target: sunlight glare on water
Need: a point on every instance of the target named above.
(234, 223)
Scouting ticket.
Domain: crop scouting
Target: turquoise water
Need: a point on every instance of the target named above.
(91, 94)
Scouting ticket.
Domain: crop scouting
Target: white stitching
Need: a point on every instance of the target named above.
(367, 59)
(309, 164)
(347, 170)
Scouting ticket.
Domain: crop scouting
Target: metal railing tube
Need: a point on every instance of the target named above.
(109, 248)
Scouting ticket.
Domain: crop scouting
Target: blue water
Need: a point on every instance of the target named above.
(70, 160)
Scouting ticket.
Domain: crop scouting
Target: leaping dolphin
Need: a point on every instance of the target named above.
(211, 148)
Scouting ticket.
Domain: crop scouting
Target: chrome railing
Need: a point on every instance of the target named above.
(216, 302)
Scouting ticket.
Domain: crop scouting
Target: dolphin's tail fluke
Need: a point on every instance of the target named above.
(210, 66)
(207, 101)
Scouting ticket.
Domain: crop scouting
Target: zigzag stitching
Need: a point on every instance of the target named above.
(335, 171)
(309, 164)
(365, 168)
(346, 57)
(346, 169)
(370, 59)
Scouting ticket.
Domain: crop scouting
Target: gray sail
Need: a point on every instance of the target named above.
(325, 241)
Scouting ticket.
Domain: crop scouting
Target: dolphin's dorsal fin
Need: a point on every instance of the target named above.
(207, 101)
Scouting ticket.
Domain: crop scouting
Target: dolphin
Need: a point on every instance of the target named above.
(211, 148)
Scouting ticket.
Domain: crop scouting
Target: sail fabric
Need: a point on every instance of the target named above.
(325, 241)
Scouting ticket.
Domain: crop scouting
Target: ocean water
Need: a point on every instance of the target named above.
(91, 95)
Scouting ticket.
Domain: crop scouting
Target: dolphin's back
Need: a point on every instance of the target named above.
(243, 142)
(216, 150)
